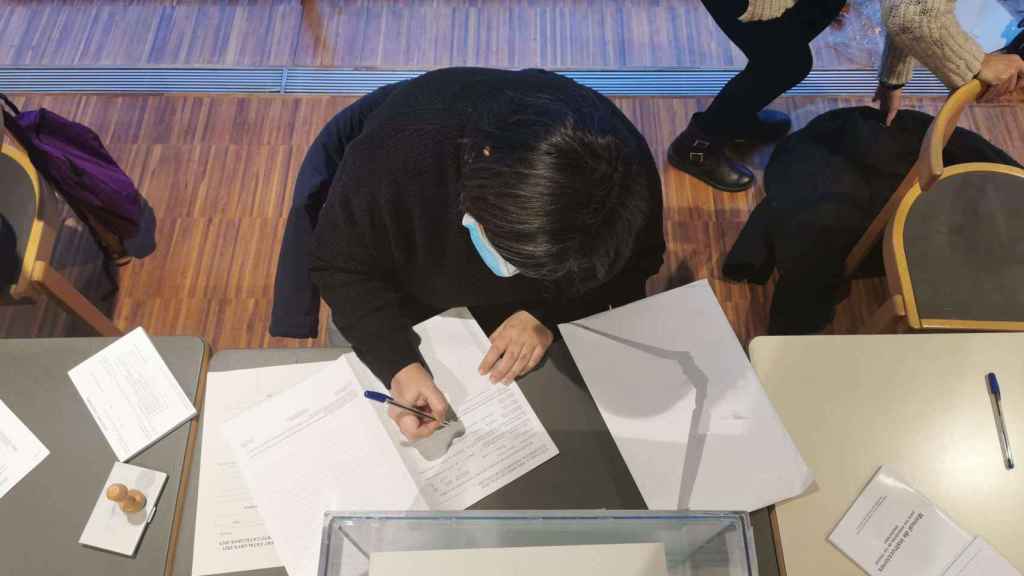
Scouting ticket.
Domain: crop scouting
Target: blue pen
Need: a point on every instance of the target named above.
(1004, 437)
(385, 399)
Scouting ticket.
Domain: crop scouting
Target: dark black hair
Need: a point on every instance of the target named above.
(556, 187)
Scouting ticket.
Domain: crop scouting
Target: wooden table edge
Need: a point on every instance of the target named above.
(186, 467)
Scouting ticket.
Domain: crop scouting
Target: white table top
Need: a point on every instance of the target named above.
(917, 402)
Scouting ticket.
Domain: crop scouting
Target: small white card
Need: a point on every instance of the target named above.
(111, 529)
(20, 450)
(893, 530)
(131, 394)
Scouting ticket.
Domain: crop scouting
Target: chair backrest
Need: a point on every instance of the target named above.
(24, 204)
(929, 164)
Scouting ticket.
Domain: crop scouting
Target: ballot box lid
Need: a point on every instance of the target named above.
(695, 544)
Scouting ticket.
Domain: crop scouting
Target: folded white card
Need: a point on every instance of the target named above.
(132, 394)
(108, 527)
(596, 560)
(20, 450)
(893, 530)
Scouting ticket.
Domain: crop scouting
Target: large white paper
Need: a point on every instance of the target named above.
(230, 533)
(893, 530)
(320, 446)
(20, 450)
(131, 394)
(684, 405)
(109, 528)
(595, 560)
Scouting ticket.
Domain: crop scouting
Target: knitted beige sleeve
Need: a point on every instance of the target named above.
(759, 10)
(897, 64)
(928, 31)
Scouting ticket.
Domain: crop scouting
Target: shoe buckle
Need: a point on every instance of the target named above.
(697, 157)
(702, 144)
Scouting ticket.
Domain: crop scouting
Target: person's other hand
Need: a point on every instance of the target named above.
(517, 346)
(889, 101)
(414, 386)
(1003, 73)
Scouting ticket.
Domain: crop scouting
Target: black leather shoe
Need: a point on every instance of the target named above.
(771, 125)
(697, 155)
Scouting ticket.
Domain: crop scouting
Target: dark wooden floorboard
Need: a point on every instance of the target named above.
(218, 173)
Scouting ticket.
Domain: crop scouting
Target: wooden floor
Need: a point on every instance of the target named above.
(218, 172)
(398, 33)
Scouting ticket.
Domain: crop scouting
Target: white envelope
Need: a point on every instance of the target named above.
(684, 405)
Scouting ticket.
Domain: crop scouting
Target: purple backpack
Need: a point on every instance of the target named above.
(74, 161)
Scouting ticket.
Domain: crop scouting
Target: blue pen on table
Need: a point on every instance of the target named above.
(1004, 436)
(385, 399)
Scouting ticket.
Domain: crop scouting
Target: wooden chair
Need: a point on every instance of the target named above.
(954, 240)
(27, 202)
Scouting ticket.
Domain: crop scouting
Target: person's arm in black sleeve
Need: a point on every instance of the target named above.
(296, 305)
(352, 266)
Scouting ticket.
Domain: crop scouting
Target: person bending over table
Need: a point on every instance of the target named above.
(524, 196)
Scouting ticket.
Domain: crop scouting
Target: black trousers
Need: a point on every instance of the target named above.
(778, 53)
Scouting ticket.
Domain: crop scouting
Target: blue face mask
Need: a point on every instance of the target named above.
(487, 253)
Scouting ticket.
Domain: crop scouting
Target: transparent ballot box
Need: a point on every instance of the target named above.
(695, 544)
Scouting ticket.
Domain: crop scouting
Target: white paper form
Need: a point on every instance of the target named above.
(684, 405)
(132, 394)
(314, 447)
(595, 560)
(893, 530)
(20, 450)
(504, 438)
(230, 534)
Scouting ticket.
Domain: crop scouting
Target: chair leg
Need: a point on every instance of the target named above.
(891, 318)
(56, 286)
(875, 231)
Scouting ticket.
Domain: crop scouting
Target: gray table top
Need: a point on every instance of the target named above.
(588, 472)
(42, 518)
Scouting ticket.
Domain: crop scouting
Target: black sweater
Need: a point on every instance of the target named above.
(389, 249)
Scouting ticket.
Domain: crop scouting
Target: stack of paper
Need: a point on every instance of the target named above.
(319, 445)
(684, 405)
(893, 530)
(20, 450)
(132, 394)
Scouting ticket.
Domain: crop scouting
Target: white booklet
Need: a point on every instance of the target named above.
(893, 530)
(319, 445)
(132, 394)
(108, 527)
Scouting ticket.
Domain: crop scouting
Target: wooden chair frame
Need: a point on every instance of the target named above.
(37, 277)
(900, 311)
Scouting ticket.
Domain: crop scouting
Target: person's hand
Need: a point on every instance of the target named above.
(889, 101)
(1003, 73)
(414, 386)
(517, 346)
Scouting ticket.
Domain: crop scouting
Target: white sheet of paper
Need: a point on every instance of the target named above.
(600, 560)
(980, 559)
(131, 394)
(314, 447)
(20, 450)
(893, 530)
(321, 446)
(504, 438)
(684, 405)
(111, 529)
(230, 533)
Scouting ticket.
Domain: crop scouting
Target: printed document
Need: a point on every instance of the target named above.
(319, 445)
(230, 533)
(684, 405)
(131, 394)
(891, 529)
(20, 450)
(594, 560)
